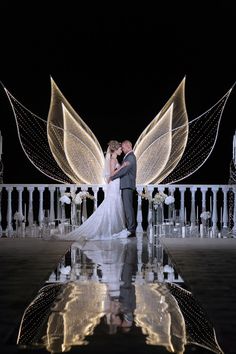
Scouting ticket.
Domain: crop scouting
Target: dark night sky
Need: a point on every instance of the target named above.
(118, 70)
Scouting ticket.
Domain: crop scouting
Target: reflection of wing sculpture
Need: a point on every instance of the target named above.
(73, 316)
(169, 149)
(67, 315)
(170, 316)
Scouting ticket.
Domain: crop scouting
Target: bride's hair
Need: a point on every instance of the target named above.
(114, 145)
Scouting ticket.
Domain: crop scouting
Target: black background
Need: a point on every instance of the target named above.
(117, 68)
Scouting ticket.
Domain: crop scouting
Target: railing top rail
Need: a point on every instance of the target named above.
(102, 185)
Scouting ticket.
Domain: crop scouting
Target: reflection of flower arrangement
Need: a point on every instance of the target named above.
(205, 215)
(76, 198)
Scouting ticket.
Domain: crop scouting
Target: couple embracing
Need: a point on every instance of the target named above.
(115, 217)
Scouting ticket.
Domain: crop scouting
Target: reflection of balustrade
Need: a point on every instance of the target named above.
(188, 200)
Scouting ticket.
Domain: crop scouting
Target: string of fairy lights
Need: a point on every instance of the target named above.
(169, 149)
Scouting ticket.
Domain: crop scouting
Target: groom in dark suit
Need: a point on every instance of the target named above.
(127, 177)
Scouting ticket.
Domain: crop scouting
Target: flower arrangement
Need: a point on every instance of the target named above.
(146, 195)
(205, 215)
(76, 198)
(18, 216)
(158, 198)
(169, 200)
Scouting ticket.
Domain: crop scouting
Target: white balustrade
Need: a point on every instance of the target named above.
(201, 195)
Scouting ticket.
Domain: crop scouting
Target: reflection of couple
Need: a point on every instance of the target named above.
(115, 215)
(122, 312)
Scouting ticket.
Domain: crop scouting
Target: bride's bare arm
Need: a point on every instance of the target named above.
(113, 163)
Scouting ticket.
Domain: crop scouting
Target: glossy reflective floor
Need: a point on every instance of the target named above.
(116, 296)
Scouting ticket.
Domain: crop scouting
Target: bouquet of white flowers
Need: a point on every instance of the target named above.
(159, 198)
(205, 215)
(76, 198)
(146, 194)
(169, 200)
(18, 216)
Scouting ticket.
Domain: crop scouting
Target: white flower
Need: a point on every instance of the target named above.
(65, 199)
(18, 216)
(169, 200)
(146, 194)
(65, 270)
(78, 199)
(205, 215)
(159, 198)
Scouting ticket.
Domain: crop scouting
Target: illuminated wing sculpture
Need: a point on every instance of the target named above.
(169, 149)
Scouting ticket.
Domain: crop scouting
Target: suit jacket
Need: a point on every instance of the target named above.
(127, 174)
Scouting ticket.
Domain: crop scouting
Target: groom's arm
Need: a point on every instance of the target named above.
(123, 171)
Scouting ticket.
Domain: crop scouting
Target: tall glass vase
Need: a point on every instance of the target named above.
(158, 216)
(171, 213)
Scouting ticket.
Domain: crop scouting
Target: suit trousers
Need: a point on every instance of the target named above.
(127, 197)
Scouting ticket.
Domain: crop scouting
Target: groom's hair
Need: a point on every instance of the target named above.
(128, 142)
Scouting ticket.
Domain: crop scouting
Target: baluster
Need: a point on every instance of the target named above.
(52, 211)
(139, 227)
(20, 190)
(84, 207)
(9, 212)
(95, 190)
(214, 209)
(204, 190)
(30, 213)
(41, 215)
(225, 213)
(182, 210)
(193, 211)
(234, 220)
(149, 217)
(61, 208)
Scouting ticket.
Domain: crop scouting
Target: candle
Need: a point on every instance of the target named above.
(197, 213)
(183, 231)
(185, 216)
(221, 216)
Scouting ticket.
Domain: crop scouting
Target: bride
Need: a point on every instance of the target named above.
(108, 220)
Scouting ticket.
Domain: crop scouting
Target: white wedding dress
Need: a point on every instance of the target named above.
(107, 221)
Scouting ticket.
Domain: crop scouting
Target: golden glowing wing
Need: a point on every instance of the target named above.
(171, 148)
(203, 133)
(32, 132)
(73, 145)
(161, 145)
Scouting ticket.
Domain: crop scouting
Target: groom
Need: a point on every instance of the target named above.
(127, 177)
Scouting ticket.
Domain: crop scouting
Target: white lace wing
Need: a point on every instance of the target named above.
(161, 145)
(73, 145)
